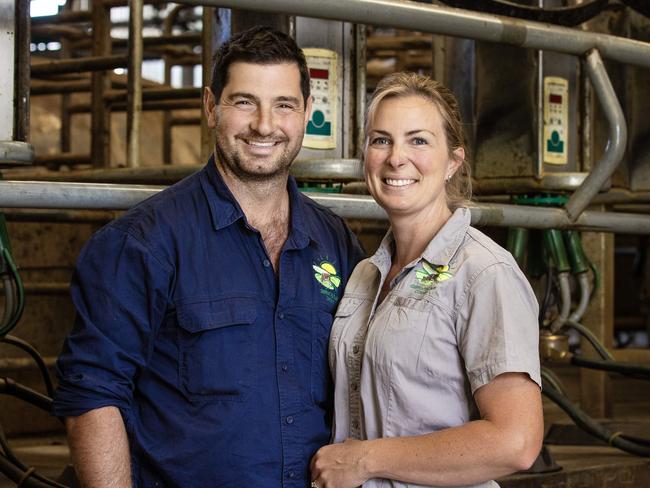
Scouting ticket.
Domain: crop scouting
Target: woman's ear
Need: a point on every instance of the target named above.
(456, 161)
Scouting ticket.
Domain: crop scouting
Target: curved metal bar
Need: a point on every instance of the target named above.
(585, 293)
(613, 155)
(16, 152)
(453, 22)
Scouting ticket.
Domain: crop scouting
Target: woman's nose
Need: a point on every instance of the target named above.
(397, 156)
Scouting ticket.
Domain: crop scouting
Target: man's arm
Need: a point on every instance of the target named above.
(100, 448)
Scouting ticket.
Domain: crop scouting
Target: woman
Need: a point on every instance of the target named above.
(434, 346)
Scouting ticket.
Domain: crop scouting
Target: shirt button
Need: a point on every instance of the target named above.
(285, 368)
(266, 263)
(355, 349)
(355, 386)
(289, 419)
(291, 474)
(355, 424)
(281, 315)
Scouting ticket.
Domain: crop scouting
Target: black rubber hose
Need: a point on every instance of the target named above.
(22, 477)
(38, 359)
(593, 340)
(639, 371)
(586, 423)
(10, 387)
(11, 457)
(640, 6)
(567, 16)
(546, 302)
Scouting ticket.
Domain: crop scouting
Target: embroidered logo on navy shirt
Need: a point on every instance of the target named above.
(326, 275)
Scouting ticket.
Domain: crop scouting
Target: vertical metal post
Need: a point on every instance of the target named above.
(23, 57)
(134, 95)
(207, 144)
(595, 391)
(168, 30)
(7, 74)
(66, 116)
(101, 116)
(361, 37)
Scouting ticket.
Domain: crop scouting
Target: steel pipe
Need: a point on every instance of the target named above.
(134, 87)
(40, 194)
(91, 63)
(16, 152)
(64, 17)
(436, 19)
(328, 169)
(613, 155)
(164, 93)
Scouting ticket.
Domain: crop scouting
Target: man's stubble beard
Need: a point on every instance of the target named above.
(231, 162)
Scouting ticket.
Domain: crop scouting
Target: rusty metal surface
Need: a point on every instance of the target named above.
(207, 46)
(134, 87)
(100, 118)
(595, 394)
(91, 63)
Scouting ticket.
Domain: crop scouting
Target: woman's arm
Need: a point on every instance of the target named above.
(507, 438)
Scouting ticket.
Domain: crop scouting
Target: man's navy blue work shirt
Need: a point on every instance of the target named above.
(218, 366)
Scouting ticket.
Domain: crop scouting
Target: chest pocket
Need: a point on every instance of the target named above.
(217, 347)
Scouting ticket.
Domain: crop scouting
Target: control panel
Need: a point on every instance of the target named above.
(556, 120)
(321, 128)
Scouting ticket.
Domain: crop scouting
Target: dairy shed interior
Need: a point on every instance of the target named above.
(101, 107)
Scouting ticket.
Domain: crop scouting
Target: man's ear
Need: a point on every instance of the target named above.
(210, 107)
(308, 107)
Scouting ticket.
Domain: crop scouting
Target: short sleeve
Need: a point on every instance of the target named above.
(497, 326)
(119, 290)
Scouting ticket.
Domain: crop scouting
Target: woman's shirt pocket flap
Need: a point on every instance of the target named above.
(214, 314)
(348, 306)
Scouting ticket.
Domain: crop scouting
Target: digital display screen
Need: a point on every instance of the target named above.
(319, 74)
(554, 98)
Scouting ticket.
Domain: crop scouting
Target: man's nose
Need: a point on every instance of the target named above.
(262, 123)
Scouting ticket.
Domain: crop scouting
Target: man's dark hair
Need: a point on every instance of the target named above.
(260, 45)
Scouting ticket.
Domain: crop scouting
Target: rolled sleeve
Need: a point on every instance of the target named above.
(498, 331)
(119, 291)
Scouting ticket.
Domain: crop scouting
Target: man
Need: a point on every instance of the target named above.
(199, 354)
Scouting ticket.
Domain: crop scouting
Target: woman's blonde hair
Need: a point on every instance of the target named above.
(459, 188)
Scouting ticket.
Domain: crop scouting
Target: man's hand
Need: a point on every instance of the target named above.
(340, 465)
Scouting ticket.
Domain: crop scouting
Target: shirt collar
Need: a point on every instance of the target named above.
(447, 241)
(439, 251)
(225, 209)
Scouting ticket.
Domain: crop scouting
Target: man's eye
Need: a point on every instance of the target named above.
(286, 107)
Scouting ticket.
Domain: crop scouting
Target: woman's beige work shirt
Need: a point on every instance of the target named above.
(455, 318)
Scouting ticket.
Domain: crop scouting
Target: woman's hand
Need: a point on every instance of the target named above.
(340, 465)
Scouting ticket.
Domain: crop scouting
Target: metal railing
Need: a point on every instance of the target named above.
(459, 23)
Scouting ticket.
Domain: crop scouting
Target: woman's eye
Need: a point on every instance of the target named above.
(380, 141)
(419, 141)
